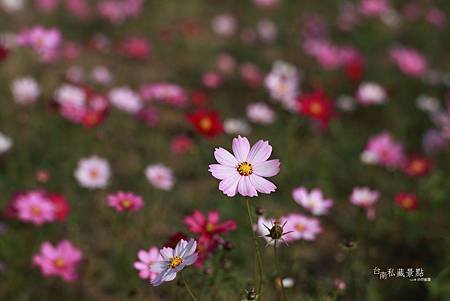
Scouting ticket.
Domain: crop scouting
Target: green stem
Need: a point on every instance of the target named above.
(257, 251)
(277, 270)
(188, 288)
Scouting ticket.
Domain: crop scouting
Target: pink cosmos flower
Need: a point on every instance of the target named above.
(208, 225)
(299, 226)
(261, 113)
(312, 201)
(409, 61)
(224, 25)
(160, 176)
(266, 3)
(60, 260)
(164, 92)
(125, 201)
(146, 259)
(245, 170)
(34, 207)
(78, 8)
(366, 198)
(44, 41)
(47, 6)
(181, 144)
(93, 172)
(383, 150)
(374, 7)
(282, 83)
(25, 90)
(211, 80)
(173, 261)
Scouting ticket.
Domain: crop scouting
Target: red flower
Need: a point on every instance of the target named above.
(199, 98)
(317, 106)
(206, 122)
(417, 165)
(61, 206)
(174, 239)
(4, 52)
(407, 201)
(208, 226)
(354, 69)
(137, 48)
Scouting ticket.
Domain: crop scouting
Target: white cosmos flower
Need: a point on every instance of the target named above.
(93, 172)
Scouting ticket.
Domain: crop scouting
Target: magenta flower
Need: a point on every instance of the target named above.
(174, 260)
(146, 259)
(245, 170)
(409, 61)
(125, 201)
(312, 201)
(61, 260)
(208, 225)
(34, 207)
(299, 226)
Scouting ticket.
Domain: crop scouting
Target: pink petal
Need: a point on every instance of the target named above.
(221, 172)
(140, 266)
(229, 185)
(267, 168)
(246, 188)
(262, 185)
(143, 256)
(241, 148)
(260, 152)
(224, 157)
(213, 217)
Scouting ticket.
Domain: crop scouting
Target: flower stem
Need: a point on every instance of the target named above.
(277, 270)
(256, 246)
(188, 288)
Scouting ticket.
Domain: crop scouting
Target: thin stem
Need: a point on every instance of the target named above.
(257, 251)
(277, 270)
(188, 288)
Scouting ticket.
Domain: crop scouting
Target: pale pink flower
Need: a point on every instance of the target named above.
(266, 3)
(34, 207)
(146, 259)
(225, 63)
(125, 201)
(224, 25)
(366, 198)
(409, 61)
(259, 112)
(211, 80)
(47, 6)
(312, 201)
(299, 226)
(160, 176)
(44, 41)
(383, 150)
(165, 92)
(72, 100)
(126, 100)
(25, 90)
(93, 172)
(236, 126)
(283, 84)
(78, 8)
(370, 93)
(245, 170)
(267, 30)
(101, 75)
(60, 260)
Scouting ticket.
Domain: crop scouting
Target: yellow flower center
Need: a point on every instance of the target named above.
(35, 210)
(205, 123)
(407, 203)
(245, 169)
(300, 227)
(417, 166)
(59, 263)
(126, 203)
(209, 227)
(315, 108)
(94, 173)
(175, 261)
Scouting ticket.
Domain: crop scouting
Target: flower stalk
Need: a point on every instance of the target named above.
(188, 288)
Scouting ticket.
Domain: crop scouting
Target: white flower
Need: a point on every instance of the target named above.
(126, 100)
(235, 126)
(160, 176)
(25, 90)
(282, 83)
(70, 95)
(12, 6)
(267, 30)
(101, 75)
(370, 93)
(427, 103)
(5, 143)
(260, 112)
(93, 172)
(174, 260)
